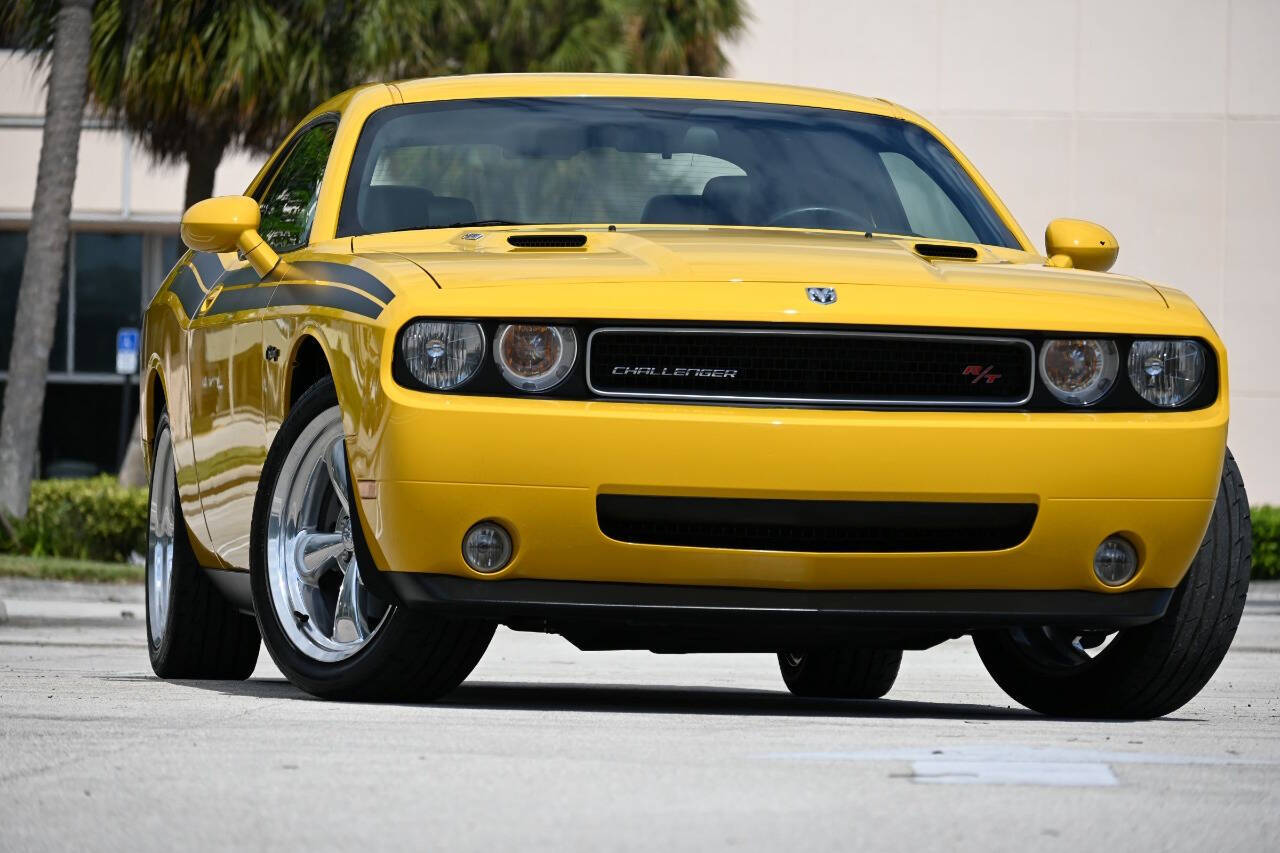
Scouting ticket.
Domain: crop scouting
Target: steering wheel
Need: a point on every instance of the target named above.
(821, 216)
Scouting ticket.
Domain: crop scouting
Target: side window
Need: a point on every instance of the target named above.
(289, 204)
(929, 211)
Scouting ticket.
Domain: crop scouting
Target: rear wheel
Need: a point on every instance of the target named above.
(328, 633)
(841, 673)
(192, 631)
(1143, 672)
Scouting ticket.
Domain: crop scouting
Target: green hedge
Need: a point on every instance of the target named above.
(99, 520)
(1266, 542)
(94, 519)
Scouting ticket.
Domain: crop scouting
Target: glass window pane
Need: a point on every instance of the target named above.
(108, 296)
(171, 249)
(928, 208)
(658, 161)
(13, 250)
(290, 203)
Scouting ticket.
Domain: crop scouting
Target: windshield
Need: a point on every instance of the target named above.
(658, 161)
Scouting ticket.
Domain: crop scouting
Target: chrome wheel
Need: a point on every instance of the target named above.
(312, 575)
(160, 527)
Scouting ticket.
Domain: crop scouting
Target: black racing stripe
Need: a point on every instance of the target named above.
(188, 291)
(323, 296)
(241, 299)
(244, 275)
(209, 266)
(349, 275)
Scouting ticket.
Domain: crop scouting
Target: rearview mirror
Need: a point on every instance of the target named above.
(1080, 244)
(229, 223)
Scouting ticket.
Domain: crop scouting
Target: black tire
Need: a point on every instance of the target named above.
(203, 635)
(1155, 669)
(412, 656)
(841, 673)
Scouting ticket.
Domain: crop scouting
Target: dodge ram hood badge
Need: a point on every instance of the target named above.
(821, 295)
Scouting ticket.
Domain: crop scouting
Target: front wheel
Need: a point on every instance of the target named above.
(1143, 672)
(192, 631)
(328, 633)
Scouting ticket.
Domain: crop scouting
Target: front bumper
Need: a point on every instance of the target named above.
(955, 611)
(444, 462)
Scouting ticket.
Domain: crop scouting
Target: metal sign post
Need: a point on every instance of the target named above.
(127, 368)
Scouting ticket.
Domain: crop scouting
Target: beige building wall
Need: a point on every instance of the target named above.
(117, 184)
(1157, 118)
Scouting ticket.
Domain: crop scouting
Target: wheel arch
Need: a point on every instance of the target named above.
(154, 400)
(308, 364)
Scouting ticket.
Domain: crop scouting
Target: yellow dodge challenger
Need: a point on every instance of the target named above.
(683, 365)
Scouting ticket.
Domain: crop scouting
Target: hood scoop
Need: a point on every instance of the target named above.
(547, 241)
(943, 250)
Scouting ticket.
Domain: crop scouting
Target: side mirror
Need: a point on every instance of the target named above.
(229, 223)
(1080, 244)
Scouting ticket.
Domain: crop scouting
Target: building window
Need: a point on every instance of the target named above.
(108, 278)
(171, 250)
(13, 248)
(108, 273)
(13, 252)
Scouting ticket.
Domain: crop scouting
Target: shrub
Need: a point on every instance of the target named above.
(1266, 542)
(94, 519)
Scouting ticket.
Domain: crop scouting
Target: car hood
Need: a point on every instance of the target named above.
(753, 274)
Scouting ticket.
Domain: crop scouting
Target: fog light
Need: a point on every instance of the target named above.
(1116, 561)
(487, 547)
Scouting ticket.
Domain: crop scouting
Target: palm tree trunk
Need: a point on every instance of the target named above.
(202, 165)
(46, 258)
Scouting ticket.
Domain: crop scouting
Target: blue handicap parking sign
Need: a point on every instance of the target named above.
(127, 351)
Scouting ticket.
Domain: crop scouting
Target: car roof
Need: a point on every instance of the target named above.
(634, 86)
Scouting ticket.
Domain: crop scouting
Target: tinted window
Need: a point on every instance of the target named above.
(929, 210)
(633, 160)
(171, 249)
(108, 296)
(289, 204)
(13, 250)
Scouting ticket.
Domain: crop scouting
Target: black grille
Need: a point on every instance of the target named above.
(943, 250)
(548, 241)
(832, 367)
(818, 526)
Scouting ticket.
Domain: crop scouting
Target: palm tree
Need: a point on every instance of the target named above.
(189, 78)
(683, 36)
(68, 30)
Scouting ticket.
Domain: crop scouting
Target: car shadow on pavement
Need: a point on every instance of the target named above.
(669, 699)
(646, 699)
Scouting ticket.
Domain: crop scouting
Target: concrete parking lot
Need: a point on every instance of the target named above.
(548, 748)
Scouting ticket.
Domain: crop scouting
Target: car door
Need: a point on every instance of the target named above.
(226, 353)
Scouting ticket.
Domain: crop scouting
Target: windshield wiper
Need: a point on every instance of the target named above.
(480, 223)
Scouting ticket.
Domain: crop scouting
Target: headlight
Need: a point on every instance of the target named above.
(535, 358)
(1079, 372)
(442, 355)
(1166, 373)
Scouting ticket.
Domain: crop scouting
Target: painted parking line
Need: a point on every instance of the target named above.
(1009, 764)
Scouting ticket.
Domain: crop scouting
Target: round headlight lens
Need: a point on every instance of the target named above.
(1166, 373)
(1079, 372)
(535, 358)
(442, 355)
